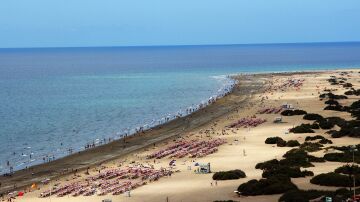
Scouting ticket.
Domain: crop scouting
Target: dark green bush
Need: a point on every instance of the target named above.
(229, 175)
(325, 141)
(349, 128)
(273, 185)
(311, 146)
(348, 170)
(314, 126)
(273, 140)
(292, 143)
(335, 108)
(299, 112)
(332, 102)
(281, 143)
(342, 157)
(307, 195)
(312, 116)
(316, 137)
(268, 164)
(287, 112)
(332, 96)
(333, 179)
(325, 124)
(293, 112)
(296, 157)
(292, 172)
(303, 128)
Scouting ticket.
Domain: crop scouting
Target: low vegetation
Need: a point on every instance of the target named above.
(267, 186)
(307, 195)
(273, 140)
(292, 143)
(303, 128)
(293, 112)
(229, 175)
(311, 116)
(334, 179)
(311, 146)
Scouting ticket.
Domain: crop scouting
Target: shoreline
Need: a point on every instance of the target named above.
(224, 89)
(124, 146)
(243, 149)
(240, 98)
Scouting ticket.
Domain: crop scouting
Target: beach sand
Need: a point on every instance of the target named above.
(244, 101)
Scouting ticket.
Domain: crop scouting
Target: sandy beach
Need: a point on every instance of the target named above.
(244, 147)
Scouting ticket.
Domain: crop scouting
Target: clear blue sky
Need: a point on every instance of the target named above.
(55, 23)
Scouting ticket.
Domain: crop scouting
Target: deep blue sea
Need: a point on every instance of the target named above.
(54, 99)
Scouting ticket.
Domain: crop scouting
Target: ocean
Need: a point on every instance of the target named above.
(54, 101)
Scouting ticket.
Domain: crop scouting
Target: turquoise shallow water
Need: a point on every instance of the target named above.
(56, 99)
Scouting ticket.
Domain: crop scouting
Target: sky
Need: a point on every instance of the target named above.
(83, 23)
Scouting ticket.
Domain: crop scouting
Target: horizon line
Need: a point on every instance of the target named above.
(179, 45)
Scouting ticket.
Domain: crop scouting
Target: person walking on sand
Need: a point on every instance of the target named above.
(211, 184)
(215, 182)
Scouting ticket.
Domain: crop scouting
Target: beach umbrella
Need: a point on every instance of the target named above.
(21, 193)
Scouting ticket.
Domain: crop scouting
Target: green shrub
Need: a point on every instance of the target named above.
(292, 143)
(307, 195)
(273, 140)
(325, 141)
(293, 112)
(333, 179)
(312, 116)
(229, 175)
(268, 164)
(303, 128)
(287, 112)
(292, 172)
(349, 128)
(332, 102)
(299, 112)
(348, 169)
(342, 157)
(335, 108)
(316, 137)
(273, 185)
(325, 124)
(311, 146)
(314, 126)
(296, 157)
(281, 143)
